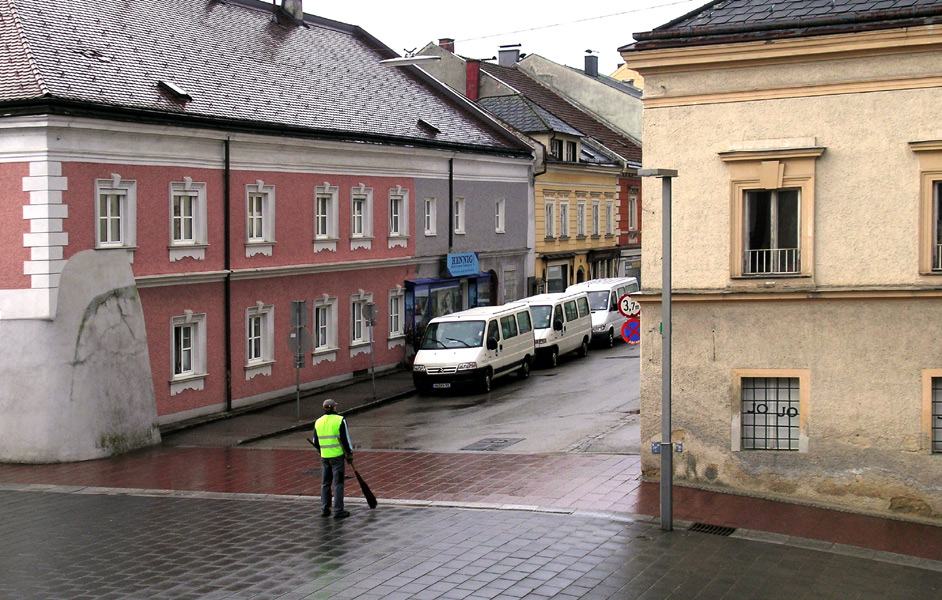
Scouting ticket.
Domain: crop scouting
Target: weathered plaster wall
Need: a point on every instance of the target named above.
(866, 445)
(79, 387)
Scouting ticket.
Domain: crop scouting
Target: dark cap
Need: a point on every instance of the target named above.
(330, 404)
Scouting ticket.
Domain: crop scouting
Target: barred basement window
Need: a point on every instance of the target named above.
(770, 413)
(937, 415)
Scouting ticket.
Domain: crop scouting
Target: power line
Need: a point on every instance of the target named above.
(618, 14)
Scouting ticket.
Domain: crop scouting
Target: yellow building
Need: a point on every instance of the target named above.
(807, 278)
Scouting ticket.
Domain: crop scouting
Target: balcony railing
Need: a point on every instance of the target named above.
(774, 261)
(937, 257)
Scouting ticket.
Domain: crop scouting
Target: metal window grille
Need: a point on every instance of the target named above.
(937, 414)
(771, 261)
(770, 413)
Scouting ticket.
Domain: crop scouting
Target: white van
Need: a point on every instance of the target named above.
(603, 300)
(474, 346)
(562, 323)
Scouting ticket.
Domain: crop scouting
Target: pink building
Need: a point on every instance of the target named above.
(168, 197)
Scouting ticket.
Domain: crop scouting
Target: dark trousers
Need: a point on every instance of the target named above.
(332, 470)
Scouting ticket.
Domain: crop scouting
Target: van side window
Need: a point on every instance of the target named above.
(613, 305)
(583, 307)
(571, 312)
(492, 333)
(558, 314)
(523, 322)
(633, 287)
(508, 326)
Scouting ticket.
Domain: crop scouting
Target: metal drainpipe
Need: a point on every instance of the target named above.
(227, 293)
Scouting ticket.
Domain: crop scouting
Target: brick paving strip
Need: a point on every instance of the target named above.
(584, 484)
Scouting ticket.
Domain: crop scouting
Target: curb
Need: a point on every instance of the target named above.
(310, 424)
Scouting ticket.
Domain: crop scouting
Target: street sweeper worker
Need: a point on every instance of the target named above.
(333, 441)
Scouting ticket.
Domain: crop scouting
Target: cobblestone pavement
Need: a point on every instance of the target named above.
(87, 544)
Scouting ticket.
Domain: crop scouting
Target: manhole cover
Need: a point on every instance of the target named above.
(491, 444)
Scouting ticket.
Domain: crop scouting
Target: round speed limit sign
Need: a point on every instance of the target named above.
(628, 307)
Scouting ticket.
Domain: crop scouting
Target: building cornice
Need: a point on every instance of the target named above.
(787, 50)
(765, 295)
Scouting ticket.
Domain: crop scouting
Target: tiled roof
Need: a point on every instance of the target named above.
(523, 115)
(752, 19)
(565, 110)
(237, 64)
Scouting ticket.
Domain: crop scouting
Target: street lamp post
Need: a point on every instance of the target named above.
(667, 447)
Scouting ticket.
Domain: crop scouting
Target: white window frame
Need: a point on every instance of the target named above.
(195, 245)
(362, 236)
(359, 325)
(194, 377)
(126, 192)
(572, 151)
(556, 148)
(431, 216)
(459, 224)
(564, 217)
(500, 215)
(398, 223)
(596, 218)
(259, 239)
(610, 217)
(325, 331)
(549, 218)
(581, 218)
(262, 338)
(397, 316)
(326, 228)
(633, 209)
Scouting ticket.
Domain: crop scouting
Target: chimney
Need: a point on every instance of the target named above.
(508, 55)
(591, 65)
(294, 8)
(472, 80)
(447, 44)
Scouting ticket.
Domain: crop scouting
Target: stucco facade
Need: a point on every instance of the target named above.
(848, 126)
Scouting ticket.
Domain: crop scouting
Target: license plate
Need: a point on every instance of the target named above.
(441, 386)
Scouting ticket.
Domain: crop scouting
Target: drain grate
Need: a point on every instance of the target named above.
(712, 529)
(491, 444)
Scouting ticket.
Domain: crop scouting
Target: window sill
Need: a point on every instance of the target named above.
(181, 251)
(550, 238)
(431, 234)
(187, 382)
(564, 238)
(253, 248)
(325, 355)
(359, 348)
(258, 368)
(459, 233)
(401, 241)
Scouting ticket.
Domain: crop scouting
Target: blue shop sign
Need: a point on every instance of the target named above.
(461, 264)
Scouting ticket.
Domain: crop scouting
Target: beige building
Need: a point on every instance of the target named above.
(807, 270)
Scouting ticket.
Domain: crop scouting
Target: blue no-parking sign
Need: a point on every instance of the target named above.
(631, 331)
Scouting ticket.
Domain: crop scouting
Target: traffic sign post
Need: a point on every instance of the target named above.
(370, 312)
(300, 342)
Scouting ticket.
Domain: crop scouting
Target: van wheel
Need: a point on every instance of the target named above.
(486, 382)
(611, 338)
(553, 358)
(584, 348)
(524, 371)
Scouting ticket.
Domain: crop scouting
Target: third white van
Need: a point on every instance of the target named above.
(562, 323)
(603, 294)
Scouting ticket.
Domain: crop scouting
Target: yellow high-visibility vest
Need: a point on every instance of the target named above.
(327, 429)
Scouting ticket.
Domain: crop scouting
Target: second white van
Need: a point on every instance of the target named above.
(562, 323)
(475, 346)
(603, 294)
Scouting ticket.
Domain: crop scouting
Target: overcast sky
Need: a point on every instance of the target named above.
(559, 31)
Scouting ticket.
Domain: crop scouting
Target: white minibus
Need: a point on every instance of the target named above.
(603, 294)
